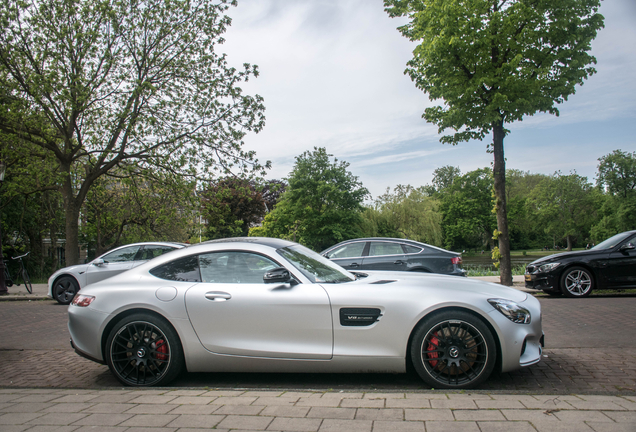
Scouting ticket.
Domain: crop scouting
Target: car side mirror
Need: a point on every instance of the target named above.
(627, 246)
(278, 275)
(98, 262)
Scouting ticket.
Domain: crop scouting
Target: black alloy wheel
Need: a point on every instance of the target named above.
(577, 282)
(64, 289)
(453, 349)
(144, 350)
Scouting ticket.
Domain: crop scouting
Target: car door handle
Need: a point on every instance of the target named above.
(218, 296)
(399, 262)
(354, 265)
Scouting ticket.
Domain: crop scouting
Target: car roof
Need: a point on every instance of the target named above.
(275, 243)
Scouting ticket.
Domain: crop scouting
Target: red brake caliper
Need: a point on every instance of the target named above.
(162, 348)
(433, 345)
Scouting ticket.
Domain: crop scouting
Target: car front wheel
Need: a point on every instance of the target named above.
(453, 350)
(144, 350)
(65, 289)
(577, 282)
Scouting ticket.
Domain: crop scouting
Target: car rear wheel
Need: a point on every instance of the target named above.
(577, 282)
(453, 349)
(144, 350)
(64, 289)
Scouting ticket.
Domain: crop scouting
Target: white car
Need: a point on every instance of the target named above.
(66, 282)
(269, 305)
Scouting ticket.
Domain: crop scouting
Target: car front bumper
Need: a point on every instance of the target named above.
(542, 282)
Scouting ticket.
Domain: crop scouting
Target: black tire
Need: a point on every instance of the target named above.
(553, 293)
(64, 289)
(453, 350)
(144, 350)
(27, 281)
(577, 282)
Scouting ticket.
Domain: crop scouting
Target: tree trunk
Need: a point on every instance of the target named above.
(71, 216)
(499, 174)
(569, 240)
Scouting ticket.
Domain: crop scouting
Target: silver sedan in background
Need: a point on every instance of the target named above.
(270, 305)
(66, 282)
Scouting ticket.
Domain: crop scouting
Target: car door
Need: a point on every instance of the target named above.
(385, 255)
(348, 256)
(234, 312)
(621, 265)
(111, 264)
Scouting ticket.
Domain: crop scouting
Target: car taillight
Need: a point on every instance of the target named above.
(456, 260)
(82, 300)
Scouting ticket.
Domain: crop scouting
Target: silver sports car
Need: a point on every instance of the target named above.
(66, 282)
(263, 304)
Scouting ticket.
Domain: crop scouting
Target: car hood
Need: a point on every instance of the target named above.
(562, 255)
(446, 283)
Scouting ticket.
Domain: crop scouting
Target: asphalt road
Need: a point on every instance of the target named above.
(590, 348)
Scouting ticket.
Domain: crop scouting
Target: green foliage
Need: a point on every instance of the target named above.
(231, 206)
(406, 213)
(466, 210)
(494, 62)
(96, 85)
(321, 206)
(564, 206)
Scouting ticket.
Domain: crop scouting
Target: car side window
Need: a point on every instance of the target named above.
(411, 249)
(153, 251)
(385, 248)
(183, 270)
(351, 250)
(234, 267)
(121, 255)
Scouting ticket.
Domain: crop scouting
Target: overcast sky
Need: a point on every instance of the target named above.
(332, 76)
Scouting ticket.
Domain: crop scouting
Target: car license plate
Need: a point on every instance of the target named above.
(528, 278)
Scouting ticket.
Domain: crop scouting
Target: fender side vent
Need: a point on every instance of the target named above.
(381, 282)
(359, 316)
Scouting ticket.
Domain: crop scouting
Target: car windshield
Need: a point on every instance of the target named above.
(612, 241)
(315, 267)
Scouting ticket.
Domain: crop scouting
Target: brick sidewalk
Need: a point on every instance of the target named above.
(224, 410)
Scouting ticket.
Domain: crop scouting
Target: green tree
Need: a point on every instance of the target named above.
(321, 206)
(407, 212)
(617, 179)
(467, 211)
(492, 62)
(564, 205)
(524, 228)
(99, 84)
(231, 206)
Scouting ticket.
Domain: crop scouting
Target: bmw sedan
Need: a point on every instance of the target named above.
(608, 265)
(394, 254)
(270, 305)
(66, 282)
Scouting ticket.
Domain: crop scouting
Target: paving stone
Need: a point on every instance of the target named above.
(149, 420)
(245, 422)
(516, 426)
(454, 404)
(59, 419)
(429, 414)
(409, 403)
(362, 403)
(379, 414)
(150, 409)
(153, 399)
(582, 416)
(187, 409)
(47, 429)
(622, 416)
(285, 411)
(154, 429)
(192, 400)
(26, 407)
(456, 426)
(616, 427)
(18, 418)
(239, 410)
(477, 415)
(237, 400)
(335, 425)
(529, 415)
(396, 395)
(103, 408)
(332, 413)
(563, 427)
(196, 421)
(269, 401)
(398, 426)
(294, 424)
(102, 420)
(498, 404)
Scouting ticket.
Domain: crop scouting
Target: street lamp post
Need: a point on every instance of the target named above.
(3, 283)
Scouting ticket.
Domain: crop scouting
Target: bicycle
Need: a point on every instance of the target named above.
(25, 274)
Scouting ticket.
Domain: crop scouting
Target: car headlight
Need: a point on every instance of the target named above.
(546, 268)
(511, 310)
